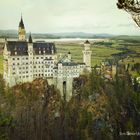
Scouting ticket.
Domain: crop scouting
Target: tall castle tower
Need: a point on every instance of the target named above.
(87, 54)
(30, 54)
(21, 31)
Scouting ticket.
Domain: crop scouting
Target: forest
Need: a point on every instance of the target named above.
(99, 109)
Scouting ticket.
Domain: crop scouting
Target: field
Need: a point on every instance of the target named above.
(1, 64)
(127, 49)
(99, 52)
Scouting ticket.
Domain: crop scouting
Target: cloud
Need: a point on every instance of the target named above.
(126, 25)
(66, 15)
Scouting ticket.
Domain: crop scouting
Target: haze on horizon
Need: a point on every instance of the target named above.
(57, 16)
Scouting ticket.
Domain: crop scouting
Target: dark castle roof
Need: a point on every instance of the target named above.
(20, 48)
(87, 42)
(41, 47)
(69, 64)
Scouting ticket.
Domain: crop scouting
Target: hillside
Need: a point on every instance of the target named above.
(13, 34)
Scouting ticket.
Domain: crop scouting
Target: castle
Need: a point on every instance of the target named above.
(26, 60)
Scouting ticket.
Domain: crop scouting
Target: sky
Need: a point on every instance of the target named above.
(57, 16)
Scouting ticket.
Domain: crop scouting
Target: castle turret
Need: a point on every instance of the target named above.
(87, 54)
(30, 53)
(69, 55)
(21, 31)
(30, 45)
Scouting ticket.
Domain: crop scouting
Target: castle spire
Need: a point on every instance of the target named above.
(21, 24)
(30, 38)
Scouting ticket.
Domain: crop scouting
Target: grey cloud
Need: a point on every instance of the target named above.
(66, 15)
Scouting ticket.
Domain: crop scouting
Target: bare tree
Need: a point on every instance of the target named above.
(132, 7)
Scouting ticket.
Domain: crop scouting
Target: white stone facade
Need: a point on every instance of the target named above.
(64, 73)
(19, 69)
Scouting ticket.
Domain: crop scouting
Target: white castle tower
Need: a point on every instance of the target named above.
(30, 55)
(21, 31)
(87, 55)
(69, 55)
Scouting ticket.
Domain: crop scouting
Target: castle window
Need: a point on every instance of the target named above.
(37, 58)
(13, 58)
(17, 58)
(26, 58)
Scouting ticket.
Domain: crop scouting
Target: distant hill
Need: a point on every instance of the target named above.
(13, 34)
(8, 33)
(82, 35)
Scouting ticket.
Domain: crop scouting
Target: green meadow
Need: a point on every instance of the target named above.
(1, 64)
(99, 53)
